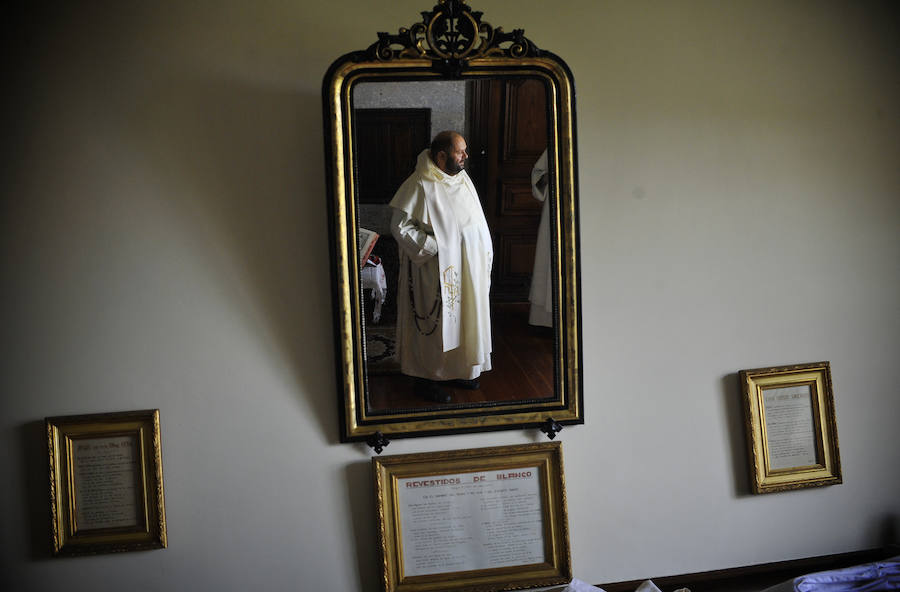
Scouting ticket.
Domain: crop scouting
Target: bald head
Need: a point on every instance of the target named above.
(449, 152)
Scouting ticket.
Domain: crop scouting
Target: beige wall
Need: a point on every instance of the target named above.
(165, 246)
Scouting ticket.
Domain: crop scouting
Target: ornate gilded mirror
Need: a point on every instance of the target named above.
(513, 107)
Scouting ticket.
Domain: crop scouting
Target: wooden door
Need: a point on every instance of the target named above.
(388, 141)
(507, 135)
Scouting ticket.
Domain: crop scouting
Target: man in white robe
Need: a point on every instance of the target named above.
(446, 254)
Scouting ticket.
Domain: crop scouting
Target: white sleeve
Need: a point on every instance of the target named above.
(416, 241)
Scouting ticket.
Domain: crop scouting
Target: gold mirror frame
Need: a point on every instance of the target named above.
(426, 51)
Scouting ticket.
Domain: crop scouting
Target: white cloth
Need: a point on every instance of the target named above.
(541, 294)
(373, 278)
(577, 585)
(446, 255)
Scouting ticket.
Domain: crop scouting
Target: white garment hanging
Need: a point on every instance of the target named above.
(541, 293)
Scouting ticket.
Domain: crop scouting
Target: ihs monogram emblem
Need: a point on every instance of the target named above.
(451, 290)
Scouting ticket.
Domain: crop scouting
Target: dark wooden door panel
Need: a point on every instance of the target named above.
(517, 255)
(388, 142)
(516, 199)
(509, 133)
(525, 134)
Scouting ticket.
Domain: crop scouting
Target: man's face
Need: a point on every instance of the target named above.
(456, 159)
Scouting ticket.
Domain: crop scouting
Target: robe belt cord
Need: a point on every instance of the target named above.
(412, 302)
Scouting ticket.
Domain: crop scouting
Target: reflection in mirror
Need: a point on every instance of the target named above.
(505, 348)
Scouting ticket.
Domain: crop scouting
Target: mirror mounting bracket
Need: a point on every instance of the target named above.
(551, 427)
(378, 442)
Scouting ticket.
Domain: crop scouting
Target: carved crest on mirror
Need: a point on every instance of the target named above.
(513, 105)
(450, 34)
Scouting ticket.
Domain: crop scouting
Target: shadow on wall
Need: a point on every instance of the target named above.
(734, 419)
(248, 166)
(886, 530)
(361, 507)
(35, 471)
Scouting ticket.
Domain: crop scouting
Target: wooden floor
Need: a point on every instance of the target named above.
(522, 363)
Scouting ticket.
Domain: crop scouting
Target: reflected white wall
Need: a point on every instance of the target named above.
(445, 98)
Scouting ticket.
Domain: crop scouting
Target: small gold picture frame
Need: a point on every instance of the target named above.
(482, 519)
(106, 483)
(791, 428)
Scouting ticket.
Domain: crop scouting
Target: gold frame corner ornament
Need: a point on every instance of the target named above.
(474, 474)
(77, 530)
(791, 428)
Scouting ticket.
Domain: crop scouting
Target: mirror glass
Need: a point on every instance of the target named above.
(504, 123)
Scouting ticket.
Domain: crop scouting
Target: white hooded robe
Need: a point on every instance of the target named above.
(446, 254)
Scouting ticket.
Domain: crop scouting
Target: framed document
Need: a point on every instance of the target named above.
(791, 429)
(106, 485)
(481, 519)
